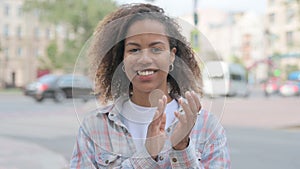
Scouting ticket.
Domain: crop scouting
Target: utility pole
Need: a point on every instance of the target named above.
(195, 13)
(195, 34)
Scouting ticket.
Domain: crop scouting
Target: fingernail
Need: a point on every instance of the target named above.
(180, 100)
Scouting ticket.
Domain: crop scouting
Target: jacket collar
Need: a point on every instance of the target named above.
(113, 110)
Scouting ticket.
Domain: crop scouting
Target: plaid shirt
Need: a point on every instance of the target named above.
(103, 141)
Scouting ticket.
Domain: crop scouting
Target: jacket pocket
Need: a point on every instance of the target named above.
(105, 159)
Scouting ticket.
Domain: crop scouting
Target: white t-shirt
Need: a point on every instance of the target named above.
(137, 118)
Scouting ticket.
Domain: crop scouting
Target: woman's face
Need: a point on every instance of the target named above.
(147, 55)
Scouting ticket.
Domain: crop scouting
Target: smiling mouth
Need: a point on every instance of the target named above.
(146, 72)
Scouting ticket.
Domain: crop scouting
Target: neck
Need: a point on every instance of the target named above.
(149, 99)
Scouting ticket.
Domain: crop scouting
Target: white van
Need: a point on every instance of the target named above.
(224, 79)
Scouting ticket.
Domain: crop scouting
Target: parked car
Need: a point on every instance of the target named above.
(271, 86)
(289, 88)
(60, 87)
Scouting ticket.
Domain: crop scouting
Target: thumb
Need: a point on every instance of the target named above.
(163, 122)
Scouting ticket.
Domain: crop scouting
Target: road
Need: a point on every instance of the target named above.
(262, 132)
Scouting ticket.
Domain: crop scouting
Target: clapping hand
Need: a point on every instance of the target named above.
(186, 120)
(156, 135)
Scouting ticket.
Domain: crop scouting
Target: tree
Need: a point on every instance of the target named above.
(79, 17)
(238, 60)
(53, 60)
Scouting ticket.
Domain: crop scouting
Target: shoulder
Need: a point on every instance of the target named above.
(98, 114)
(99, 111)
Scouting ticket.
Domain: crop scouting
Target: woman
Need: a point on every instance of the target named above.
(150, 82)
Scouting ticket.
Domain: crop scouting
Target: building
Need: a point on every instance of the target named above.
(232, 35)
(23, 39)
(283, 32)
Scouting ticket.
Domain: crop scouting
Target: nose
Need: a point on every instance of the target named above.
(145, 57)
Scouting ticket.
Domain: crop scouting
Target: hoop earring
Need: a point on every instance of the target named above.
(171, 68)
(123, 68)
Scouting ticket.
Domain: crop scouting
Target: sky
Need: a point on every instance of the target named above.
(182, 7)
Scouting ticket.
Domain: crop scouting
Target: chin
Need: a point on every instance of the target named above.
(145, 88)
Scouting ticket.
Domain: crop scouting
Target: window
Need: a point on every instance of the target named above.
(38, 52)
(48, 33)
(19, 32)
(289, 15)
(36, 13)
(272, 18)
(289, 38)
(6, 30)
(20, 11)
(6, 10)
(19, 51)
(36, 33)
(235, 77)
(6, 53)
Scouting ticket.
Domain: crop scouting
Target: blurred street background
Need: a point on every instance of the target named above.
(256, 44)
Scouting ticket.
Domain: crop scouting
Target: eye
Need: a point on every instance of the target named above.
(156, 50)
(134, 50)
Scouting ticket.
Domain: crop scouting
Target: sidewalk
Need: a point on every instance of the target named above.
(12, 91)
(25, 155)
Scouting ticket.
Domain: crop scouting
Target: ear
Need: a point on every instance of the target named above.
(172, 54)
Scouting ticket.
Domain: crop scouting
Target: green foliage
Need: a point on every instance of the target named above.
(80, 17)
(195, 40)
(291, 68)
(52, 52)
(53, 60)
(235, 59)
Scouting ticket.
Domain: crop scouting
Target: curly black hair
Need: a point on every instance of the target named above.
(107, 53)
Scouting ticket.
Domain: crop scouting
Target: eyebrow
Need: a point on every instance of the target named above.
(138, 45)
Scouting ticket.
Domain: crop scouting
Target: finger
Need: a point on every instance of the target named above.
(156, 119)
(158, 113)
(162, 104)
(197, 101)
(164, 99)
(160, 108)
(180, 117)
(163, 122)
(186, 108)
(182, 131)
(191, 102)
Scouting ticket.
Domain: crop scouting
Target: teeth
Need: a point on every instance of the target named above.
(145, 73)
